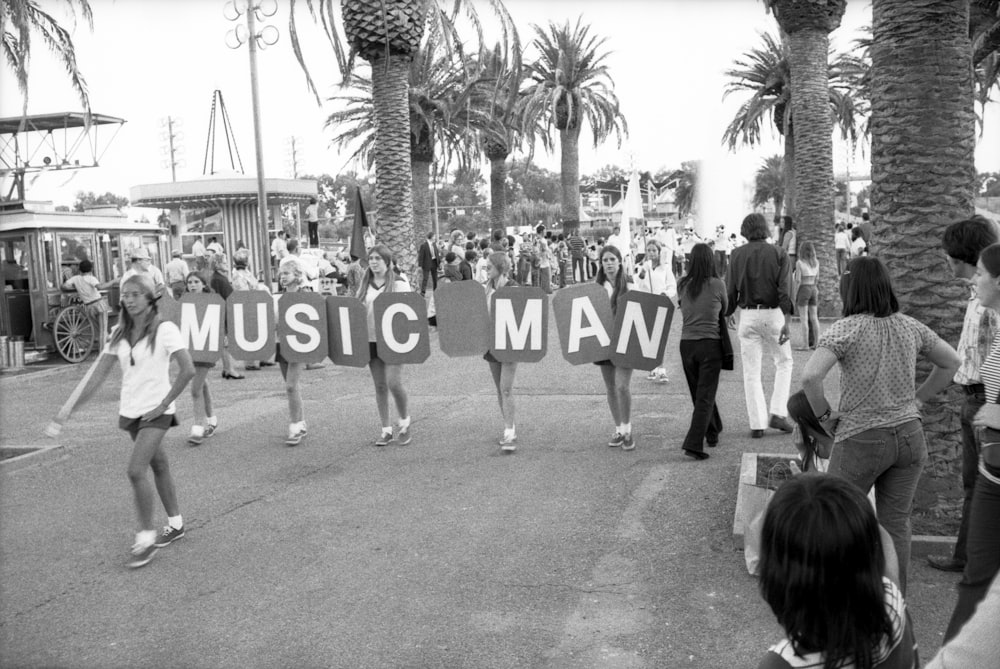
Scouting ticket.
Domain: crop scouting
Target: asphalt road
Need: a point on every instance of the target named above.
(443, 553)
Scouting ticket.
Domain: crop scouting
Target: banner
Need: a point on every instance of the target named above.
(463, 319)
(347, 325)
(250, 324)
(401, 328)
(520, 324)
(302, 333)
(585, 323)
(202, 325)
(642, 323)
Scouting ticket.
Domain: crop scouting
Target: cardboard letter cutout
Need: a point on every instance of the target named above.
(251, 325)
(520, 324)
(202, 325)
(463, 319)
(642, 325)
(347, 324)
(585, 323)
(401, 328)
(302, 331)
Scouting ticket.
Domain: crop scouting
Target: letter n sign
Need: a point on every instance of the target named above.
(250, 316)
(401, 328)
(642, 325)
(302, 327)
(520, 324)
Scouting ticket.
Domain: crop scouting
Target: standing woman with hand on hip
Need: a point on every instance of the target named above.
(144, 345)
(807, 296)
(617, 380)
(503, 372)
(879, 439)
(379, 278)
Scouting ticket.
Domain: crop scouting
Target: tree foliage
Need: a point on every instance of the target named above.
(86, 200)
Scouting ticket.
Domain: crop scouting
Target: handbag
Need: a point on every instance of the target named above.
(728, 360)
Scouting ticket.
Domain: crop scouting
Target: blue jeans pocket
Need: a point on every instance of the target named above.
(860, 459)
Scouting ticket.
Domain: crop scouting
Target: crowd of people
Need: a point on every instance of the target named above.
(833, 565)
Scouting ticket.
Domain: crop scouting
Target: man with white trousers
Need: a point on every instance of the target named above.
(757, 283)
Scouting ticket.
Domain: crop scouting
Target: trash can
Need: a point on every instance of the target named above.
(15, 353)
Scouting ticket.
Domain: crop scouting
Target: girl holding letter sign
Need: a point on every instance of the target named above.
(617, 380)
(380, 278)
(143, 345)
(291, 276)
(503, 372)
(205, 422)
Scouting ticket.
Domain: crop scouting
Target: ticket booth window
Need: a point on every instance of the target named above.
(72, 248)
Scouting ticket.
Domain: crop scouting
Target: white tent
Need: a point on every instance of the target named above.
(631, 213)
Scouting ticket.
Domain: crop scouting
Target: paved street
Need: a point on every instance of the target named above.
(442, 553)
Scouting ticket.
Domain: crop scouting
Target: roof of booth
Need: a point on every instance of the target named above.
(217, 189)
(29, 216)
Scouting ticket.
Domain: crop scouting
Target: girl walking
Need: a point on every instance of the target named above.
(617, 380)
(205, 421)
(380, 278)
(703, 299)
(144, 345)
(657, 278)
(502, 372)
(291, 277)
(807, 298)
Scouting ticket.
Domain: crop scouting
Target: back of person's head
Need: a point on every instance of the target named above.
(484, 244)
(839, 227)
(471, 255)
(219, 262)
(312, 200)
(754, 227)
(700, 270)
(510, 240)
(865, 217)
(470, 235)
(787, 223)
(498, 234)
(241, 259)
(856, 233)
(501, 261)
(807, 253)
(866, 288)
(450, 257)
(821, 566)
(86, 267)
(990, 259)
(965, 240)
(430, 235)
(292, 245)
(470, 245)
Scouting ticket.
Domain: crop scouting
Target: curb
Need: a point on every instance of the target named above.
(33, 455)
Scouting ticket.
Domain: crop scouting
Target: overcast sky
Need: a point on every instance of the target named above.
(148, 60)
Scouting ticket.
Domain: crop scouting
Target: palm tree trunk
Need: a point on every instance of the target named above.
(813, 146)
(421, 199)
(923, 170)
(498, 192)
(789, 172)
(393, 194)
(569, 144)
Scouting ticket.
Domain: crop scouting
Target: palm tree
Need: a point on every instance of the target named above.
(687, 186)
(387, 33)
(923, 170)
(808, 26)
(19, 21)
(570, 84)
(769, 183)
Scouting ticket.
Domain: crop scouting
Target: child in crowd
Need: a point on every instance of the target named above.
(452, 271)
(822, 572)
(205, 421)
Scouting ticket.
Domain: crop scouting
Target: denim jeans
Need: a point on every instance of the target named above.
(702, 360)
(983, 546)
(891, 459)
(970, 466)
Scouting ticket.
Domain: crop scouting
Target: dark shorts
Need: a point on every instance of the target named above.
(808, 294)
(488, 357)
(373, 351)
(209, 365)
(604, 363)
(133, 425)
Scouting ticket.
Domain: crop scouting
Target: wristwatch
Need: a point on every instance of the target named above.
(826, 415)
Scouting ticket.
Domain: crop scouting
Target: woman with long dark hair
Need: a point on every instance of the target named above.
(617, 380)
(656, 277)
(380, 278)
(703, 298)
(143, 345)
(503, 373)
(205, 421)
(823, 573)
(807, 298)
(879, 440)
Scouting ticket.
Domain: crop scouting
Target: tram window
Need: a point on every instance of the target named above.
(14, 254)
(73, 248)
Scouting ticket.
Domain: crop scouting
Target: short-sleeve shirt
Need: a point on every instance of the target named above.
(146, 371)
(86, 287)
(895, 651)
(398, 286)
(701, 314)
(878, 359)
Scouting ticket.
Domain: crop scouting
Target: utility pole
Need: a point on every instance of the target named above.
(170, 136)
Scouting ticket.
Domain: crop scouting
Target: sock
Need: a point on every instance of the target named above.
(176, 522)
(404, 423)
(145, 538)
(197, 431)
(387, 430)
(619, 429)
(213, 421)
(508, 432)
(294, 428)
(627, 428)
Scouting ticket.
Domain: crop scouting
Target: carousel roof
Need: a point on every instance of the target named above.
(217, 190)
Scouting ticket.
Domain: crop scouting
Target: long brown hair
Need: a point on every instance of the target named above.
(383, 252)
(621, 280)
(125, 322)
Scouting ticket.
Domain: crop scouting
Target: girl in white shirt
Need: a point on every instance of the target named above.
(502, 372)
(143, 345)
(291, 277)
(657, 278)
(380, 278)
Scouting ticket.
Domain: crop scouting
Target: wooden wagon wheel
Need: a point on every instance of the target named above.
(74, 334)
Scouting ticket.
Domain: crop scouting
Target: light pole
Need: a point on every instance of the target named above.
(267, 36)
